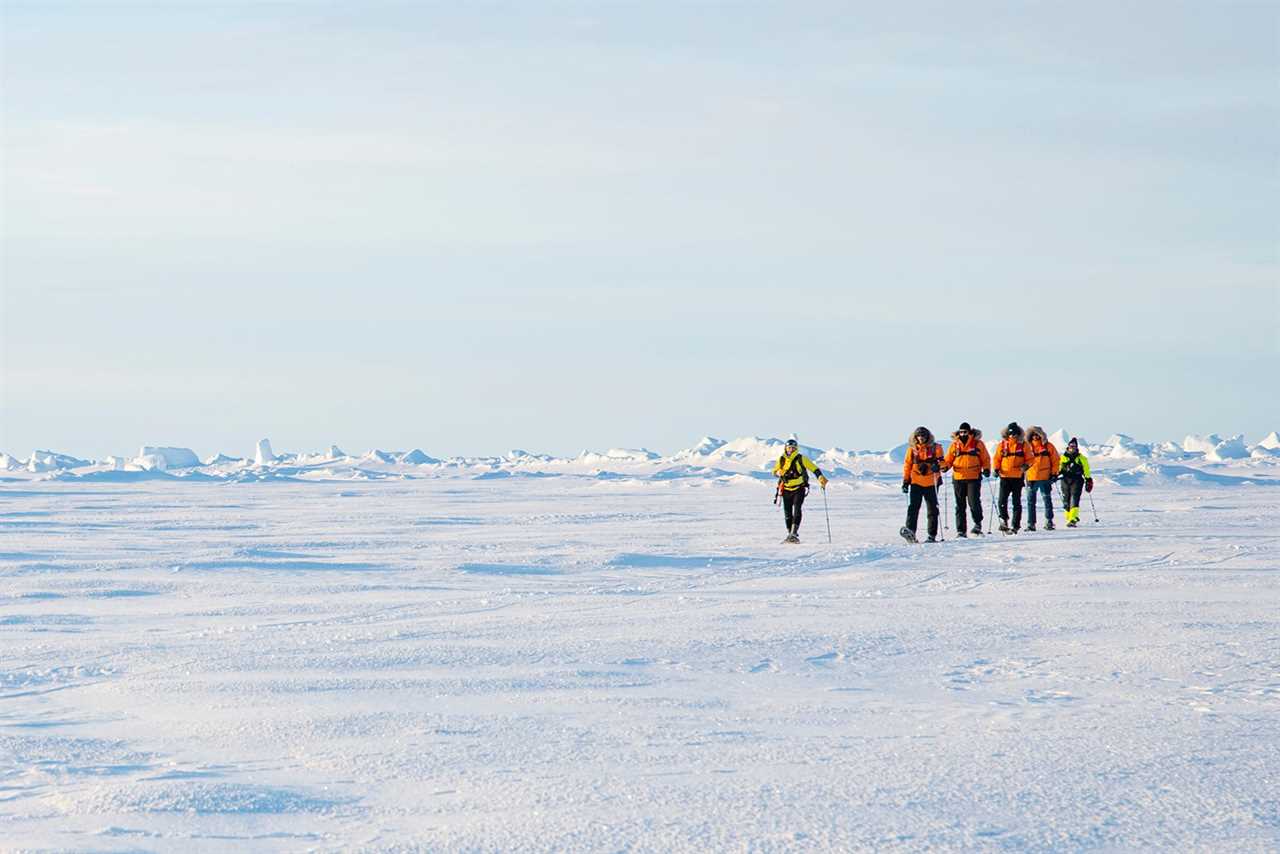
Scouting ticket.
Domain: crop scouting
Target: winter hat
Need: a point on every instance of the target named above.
(1013, 429)
(964, 427)
(1074, 443)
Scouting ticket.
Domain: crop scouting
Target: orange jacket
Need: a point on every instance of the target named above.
(966, 461)
(918, 466)
(1012, 457)
(1043, 459)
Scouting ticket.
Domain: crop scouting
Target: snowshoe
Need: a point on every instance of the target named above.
(908, 534)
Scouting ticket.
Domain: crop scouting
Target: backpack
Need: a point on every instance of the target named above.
(797, 468)
(929, 463)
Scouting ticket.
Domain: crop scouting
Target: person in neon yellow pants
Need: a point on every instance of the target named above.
(1074, 471)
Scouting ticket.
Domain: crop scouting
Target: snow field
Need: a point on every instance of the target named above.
(569, 663)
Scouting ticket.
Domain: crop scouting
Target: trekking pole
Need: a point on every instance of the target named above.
(945, 509)
(826, 510)
(942, 538)
(1092, 507)
(991, 518)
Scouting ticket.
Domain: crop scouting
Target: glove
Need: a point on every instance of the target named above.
(1088, 484)
(1053, 478)
(986, 472)
(822, 481)
(906, 487)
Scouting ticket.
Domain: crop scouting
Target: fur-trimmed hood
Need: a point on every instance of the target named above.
(974, 432)
(911, 437)
(1036, 433)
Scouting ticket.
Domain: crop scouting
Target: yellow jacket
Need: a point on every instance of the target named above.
(791, 470)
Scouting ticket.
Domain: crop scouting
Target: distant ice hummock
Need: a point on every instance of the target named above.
(264, 454)
(1215, 448)
(161, 458)
(1060, 438)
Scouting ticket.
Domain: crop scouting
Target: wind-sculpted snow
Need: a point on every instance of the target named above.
(708, 458)
(530, 656)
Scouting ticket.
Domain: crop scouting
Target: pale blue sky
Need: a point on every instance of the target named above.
(585, 225)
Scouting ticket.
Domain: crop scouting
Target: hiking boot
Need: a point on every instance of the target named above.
(932, 540)
(977, 529)
(962, 535)
(1031, 527)
(1071, 524)
(1004, 527)
(1048, 526)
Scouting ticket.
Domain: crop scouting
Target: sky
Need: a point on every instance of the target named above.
(565, 226)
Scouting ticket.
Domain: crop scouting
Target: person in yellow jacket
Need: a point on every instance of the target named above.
(968, 461)
(921, 477)
(1076, 477)
(1042, 473)
(1010, 465)
(792, 472)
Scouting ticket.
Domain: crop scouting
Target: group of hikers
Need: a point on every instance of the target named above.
(1022, 459)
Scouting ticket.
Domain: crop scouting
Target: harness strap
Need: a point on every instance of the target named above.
(795, 468)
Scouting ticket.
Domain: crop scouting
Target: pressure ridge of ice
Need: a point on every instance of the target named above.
(751, 456)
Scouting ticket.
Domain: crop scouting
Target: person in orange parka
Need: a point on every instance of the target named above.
(969, 462)
(921, 475)
(1042, 462)
(1010, 464)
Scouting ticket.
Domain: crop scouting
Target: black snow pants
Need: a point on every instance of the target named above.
(929, 494)
(1072, 490)
(1011, 487)
(791, 501)
(969, 491)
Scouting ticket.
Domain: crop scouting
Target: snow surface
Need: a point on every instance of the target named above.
(532, 653)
